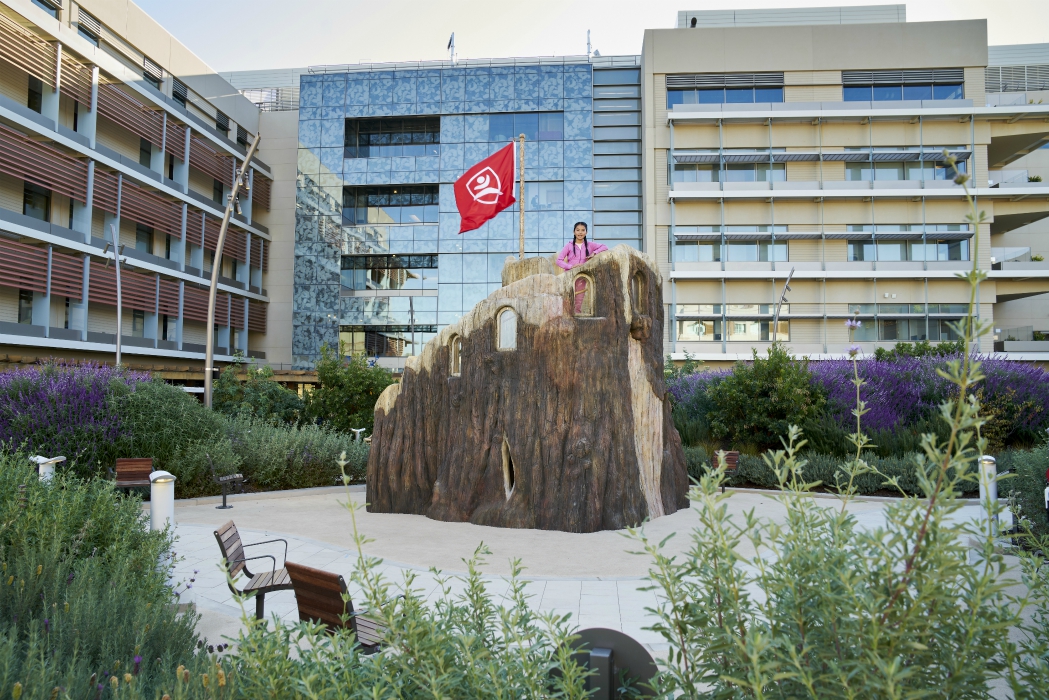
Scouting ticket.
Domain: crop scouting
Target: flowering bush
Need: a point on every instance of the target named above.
(56, 409)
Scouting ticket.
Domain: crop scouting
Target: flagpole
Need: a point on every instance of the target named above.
(522, 201)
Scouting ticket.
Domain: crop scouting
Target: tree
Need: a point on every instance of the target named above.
(754, 405)
(257, 396)
(346, 392)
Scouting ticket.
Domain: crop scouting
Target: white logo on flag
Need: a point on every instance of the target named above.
(485, 187)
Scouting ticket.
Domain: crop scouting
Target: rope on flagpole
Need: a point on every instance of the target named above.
(521, 203)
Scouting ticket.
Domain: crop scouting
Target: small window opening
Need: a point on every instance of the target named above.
(507, 330)
(138, 323)
(509, 478)
(456, 353)
(217, 190)
(36, 94)
(25, 306)
(36, 202)
(144, 239)
(66, 322)
(145, 152)
(584, 296)
(637, 293)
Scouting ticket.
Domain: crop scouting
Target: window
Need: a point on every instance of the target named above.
(940, 250)
(756, 251)
(386, 340)
(88, 26)
(179, 91)
(138, 323)
(167, 247)
(695, 172)
(729, 95)
(221, 122)
(755, 172)
(153, 73)
(145, 152)
(383, 138)
(914, 250)
(36, 94)
(171, 167)
(217, 190)
(144, 239)
(699, 331)
(698, 310)
(25, 306)
(637, 294)
(51, 7)
(544, 196)
(393, 204)
(164, 328)
(507, 329)
(584, 296)
(884, 93)
(360, 272)
(242, 136)
(694, 251)
(541, 126)
(36, 202)
(455, 351)
(752, 331)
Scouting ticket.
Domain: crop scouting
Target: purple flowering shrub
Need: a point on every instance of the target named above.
(59, 409)
(903, 395)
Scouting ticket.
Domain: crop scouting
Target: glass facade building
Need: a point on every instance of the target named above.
(379, 261)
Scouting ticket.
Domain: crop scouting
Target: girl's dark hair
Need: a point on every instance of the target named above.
(586, 245)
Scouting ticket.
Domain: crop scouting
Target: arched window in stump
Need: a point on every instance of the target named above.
(584, 295)
(637, 294)
(507, 323)
(456, 352)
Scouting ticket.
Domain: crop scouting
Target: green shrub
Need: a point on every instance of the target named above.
(290, 457)
(1024, 487)
(84, 588)
(255, 396)
(346, 392)
(755, 403)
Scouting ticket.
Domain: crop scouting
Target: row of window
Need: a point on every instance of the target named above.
(782, 228)
(777, 172)
(858, 251)
(850, 93)
(383, 272)
(684, 310)
(756, 331)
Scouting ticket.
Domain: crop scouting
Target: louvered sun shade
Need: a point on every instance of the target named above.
(138, 291)
(209, 161)
(260, 191)
(42, 165)
(120, 107)
(175, 144)
(67, 273)
(24, 49)
(236, 245)
(76, 80)
(195, 304)
(256, 316)
(236, 312)
(137, 204)
(23, 266)
(168, 303)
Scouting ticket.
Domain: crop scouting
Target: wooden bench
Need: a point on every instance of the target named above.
(322, 597)
(225, 483)
(260, 584)
(731, 465)
(132, 473)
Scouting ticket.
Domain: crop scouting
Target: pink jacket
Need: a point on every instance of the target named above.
(572, 254)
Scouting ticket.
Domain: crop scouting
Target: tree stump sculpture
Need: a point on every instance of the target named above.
(543, 407)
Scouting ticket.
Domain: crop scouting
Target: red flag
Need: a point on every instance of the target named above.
(487, 188)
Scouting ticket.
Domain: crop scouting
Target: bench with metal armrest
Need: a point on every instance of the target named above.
(323, 597)
(260, 584)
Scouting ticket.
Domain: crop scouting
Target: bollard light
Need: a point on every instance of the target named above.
(161, 500)
(45, 466)
(989, 493)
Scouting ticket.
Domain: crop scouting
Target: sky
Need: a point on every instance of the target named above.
(258, 34)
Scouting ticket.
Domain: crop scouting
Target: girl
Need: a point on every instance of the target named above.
(576, 253)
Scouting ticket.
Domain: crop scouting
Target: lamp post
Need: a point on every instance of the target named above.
(782, 298)
(243, 175)
(117, 248)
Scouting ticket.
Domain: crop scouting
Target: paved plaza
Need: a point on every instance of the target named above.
(593, 576)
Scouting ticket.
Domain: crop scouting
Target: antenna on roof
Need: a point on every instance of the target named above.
(451, 48)
(588, 43)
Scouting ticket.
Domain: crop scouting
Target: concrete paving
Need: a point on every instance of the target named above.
(594, 576)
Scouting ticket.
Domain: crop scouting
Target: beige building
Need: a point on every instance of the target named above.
(110, 127)
(813, 142)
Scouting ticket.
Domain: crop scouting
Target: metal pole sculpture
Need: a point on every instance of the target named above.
(782, 298)
(116, 267)
(243, 175)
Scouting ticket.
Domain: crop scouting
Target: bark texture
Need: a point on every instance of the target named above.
(571, 430)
